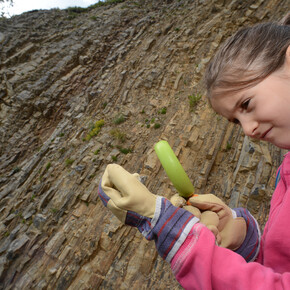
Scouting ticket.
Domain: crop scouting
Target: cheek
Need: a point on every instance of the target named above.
(281, 116)
(270, 111)
(265, 113)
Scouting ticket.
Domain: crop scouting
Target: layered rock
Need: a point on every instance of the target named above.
(133, 65)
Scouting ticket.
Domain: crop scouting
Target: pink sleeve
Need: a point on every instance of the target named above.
(200, 264)
(260, 257)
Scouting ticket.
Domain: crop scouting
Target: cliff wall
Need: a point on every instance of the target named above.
(137, 66)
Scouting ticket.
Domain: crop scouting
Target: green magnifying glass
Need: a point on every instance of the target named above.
(174, 169)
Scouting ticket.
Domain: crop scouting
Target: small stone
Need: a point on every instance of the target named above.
(24, 97)
(83, 59)
(39, 221)
(79, 168)
(9, 218)
(142, 178)
(52, 271)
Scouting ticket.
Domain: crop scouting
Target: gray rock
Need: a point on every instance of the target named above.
(16, 246)
(39, 221)
(9, 218)
(3, 264)
(2, 37)
(29, 211)
(79, 168)
(41, 104)
(24, 97)
(14, 232)
(4, 246)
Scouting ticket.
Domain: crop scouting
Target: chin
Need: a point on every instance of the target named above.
(283, 146)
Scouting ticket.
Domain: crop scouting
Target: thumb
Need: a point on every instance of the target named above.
(136, 175)
(207, 202)
(216, 232)
(109, 187)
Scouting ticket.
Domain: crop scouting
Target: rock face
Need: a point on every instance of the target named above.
(137, 66)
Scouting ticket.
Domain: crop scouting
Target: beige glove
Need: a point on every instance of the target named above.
(229, 231)
(232, 230)
(121, 192)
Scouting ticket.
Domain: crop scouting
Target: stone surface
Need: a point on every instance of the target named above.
(63, 72)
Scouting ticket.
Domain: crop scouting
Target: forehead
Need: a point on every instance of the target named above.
(225, 105)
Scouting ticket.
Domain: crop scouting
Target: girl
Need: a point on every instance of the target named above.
(248, 82)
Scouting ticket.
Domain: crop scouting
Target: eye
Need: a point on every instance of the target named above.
(245, 104)
(236, 121)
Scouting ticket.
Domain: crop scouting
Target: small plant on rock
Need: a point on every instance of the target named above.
(229, 146)
(125, 150)
(69, 162)
(54, 210)
(119, 119)
(193, 100)
(16, 169)
(48, 165)
(118, 135)
(96, 128)
(163, 111)
(62, 150)
(157, 125)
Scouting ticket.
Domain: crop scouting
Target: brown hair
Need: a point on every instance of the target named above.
(248, 57)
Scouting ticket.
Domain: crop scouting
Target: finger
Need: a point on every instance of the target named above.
(213, 229)
(134, 195)
(216, 233)
(187, 202)
(108, 187)
(194, 210)
(125, 182)
(209, 218)
(136, 175)
(207, 202)
(218, 239)
(177, 200)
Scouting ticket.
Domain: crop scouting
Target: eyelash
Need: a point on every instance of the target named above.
(245, 104)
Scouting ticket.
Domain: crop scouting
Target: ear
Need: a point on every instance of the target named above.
(287, 59)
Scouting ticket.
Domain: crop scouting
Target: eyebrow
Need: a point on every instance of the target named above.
(239, 101)
(237, 104)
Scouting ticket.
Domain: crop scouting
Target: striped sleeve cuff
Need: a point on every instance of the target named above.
(251, 245)
(170, 227)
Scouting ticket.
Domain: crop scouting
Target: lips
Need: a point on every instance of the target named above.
(263, 136)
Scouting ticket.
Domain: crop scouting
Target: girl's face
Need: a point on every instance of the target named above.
(263, 111)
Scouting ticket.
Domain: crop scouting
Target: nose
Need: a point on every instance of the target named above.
(250, 127)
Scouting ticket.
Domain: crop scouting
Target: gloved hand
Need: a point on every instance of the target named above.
(208, 218)
(154, 216)
(230, 230)
(127, 198)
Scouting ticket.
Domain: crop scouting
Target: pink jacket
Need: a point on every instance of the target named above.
(199, 264)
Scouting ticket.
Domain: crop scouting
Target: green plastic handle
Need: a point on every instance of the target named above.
(173, 169)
